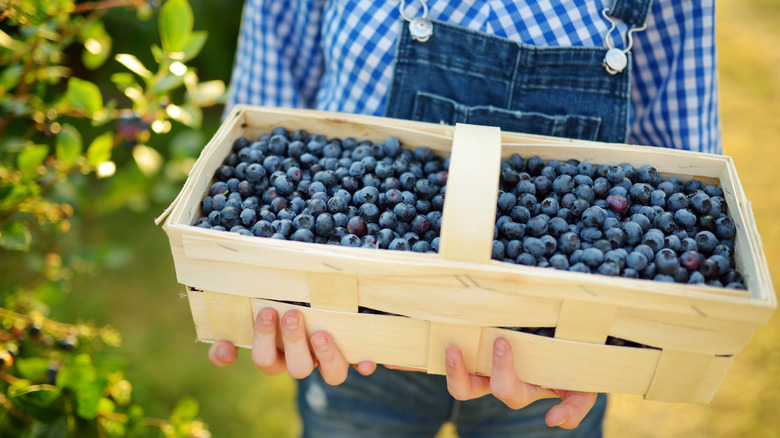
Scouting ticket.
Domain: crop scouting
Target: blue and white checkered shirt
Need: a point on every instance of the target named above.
(338, 55)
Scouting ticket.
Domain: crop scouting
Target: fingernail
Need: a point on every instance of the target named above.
(221, 353)
(449, 360)
(320, 343)
(499, 348)
(266, 318)
(291, 322)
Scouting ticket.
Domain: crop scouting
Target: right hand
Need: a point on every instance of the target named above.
(300, 354)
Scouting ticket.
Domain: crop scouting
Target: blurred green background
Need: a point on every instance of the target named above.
(143, 300)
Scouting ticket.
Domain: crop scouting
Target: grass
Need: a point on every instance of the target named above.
(142, 299)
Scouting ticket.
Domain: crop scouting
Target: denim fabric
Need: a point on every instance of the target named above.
(407, 404)
(463, 76)
(633, 12)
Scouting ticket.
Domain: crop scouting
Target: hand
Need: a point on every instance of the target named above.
(300, 354)
(505, 386)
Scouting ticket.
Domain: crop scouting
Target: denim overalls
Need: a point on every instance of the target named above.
(463, 76)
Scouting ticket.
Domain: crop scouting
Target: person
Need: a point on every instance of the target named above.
(535, 66)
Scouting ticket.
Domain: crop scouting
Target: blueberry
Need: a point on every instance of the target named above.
(637, 260)
(550, 244)
(706, 242)
(421, 246)
(648, 174)
(303, 221)
(592, 257)
(617, 203)
(420, 224)
(724, 227)
(600, 187)
(435, 219)
(509, 176)
(666, 262)
(594, 216)
(580, 267)
(559, 261)
(218, 202)
(357, 226)
(658, 197)
(248, 217)
(569, 242)
(229, 217)
(399, 243)
(404, 212)
(351, 240)
(549, 206)
(640, 193)
(218, 188)
(665, 222)
(513, 248)
(499, 250)
(392, 147)
(263, 229)
(369, 212)
(615, 174)
(526, 259)
(506, 202)
(609, 268)
(538, 225)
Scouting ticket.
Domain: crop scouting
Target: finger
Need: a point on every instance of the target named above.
(264, 353)
(571, 411)
(222, 353)
(296, 348)
(504, 383)
(461, 384)
(333, 366)
(365, 368)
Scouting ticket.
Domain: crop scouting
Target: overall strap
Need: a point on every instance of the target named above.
(632, 12)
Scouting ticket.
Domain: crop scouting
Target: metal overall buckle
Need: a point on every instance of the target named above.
(616, 60)
(420, 28)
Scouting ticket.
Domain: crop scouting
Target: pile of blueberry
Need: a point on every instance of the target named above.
(310, 188)
(571, 215)
(614, 220)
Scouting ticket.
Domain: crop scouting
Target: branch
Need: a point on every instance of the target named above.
(104, 4)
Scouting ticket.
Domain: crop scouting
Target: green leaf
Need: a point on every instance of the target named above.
(32, 157)
(81, 379)
(16, 237)
(186, 409)
(175, 24)
(83, 95)
(9, 43)
(54, 429)
(32, 368)
(97, 44)
(123, 80)
(69, 145)
(208, 93)
(167, 83)
(42, 402)
(193, 46)
(10, 77)
(100, 149)
(133, 64)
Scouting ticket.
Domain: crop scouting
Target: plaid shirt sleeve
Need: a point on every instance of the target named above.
(337, 55)
(278, 60)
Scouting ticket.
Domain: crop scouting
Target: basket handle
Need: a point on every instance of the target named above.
(469, 215)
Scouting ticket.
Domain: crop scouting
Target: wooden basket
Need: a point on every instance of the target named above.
(460, 296)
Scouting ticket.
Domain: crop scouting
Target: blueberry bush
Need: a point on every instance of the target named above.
(73, 150)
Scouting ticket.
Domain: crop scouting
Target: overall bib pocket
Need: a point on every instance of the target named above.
(429, 107)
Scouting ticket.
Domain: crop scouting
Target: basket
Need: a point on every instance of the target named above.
(459, 296)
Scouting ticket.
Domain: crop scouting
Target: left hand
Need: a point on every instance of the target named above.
(505, 386)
